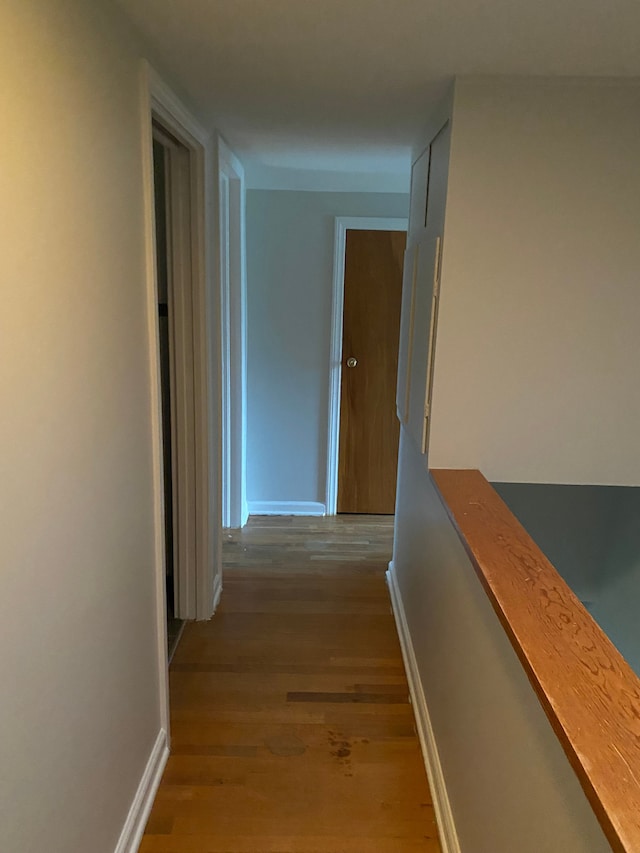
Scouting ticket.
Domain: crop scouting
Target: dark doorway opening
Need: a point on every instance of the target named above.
(165, 323)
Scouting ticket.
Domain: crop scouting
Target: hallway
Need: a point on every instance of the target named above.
(291, 727)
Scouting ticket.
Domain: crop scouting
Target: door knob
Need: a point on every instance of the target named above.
(351, 362)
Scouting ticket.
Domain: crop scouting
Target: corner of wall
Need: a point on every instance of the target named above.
(142, 804)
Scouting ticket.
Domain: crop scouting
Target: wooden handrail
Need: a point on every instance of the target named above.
(588, 691)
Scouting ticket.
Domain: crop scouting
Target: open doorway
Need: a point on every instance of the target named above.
(184, 339)
(233, 287)
(169, 159)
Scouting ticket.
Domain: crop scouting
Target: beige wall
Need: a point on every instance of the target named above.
(79, 712)
(511, 788)
(536, 373)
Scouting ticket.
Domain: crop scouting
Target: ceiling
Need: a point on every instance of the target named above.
(345, 85)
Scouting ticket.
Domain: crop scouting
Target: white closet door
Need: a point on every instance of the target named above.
(421, 300)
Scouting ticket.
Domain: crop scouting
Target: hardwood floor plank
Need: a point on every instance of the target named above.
(285, 844)
(291, 726)
(341, 698)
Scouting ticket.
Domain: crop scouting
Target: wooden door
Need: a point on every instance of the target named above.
(369, 428)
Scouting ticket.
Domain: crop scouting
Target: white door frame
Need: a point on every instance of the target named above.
(233, 286)
(204, 580)
(342, 225)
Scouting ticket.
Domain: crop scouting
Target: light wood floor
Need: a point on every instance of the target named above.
(291, 726)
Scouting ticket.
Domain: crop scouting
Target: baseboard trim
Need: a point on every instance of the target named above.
(286, 508)
(135, 823)
(444, 816)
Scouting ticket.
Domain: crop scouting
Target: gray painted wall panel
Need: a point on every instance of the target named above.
(617, 607)
(591, 534)
(570, 524)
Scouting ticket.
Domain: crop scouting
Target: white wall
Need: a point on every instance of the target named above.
(80, 707)
(510, 785)
(538, 345)
(289, 269)
(383, 174)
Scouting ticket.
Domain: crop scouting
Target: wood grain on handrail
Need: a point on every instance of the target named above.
(588, 691)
